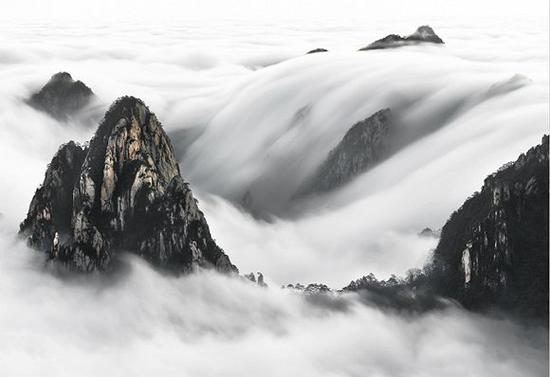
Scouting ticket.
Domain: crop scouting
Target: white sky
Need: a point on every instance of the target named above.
(167, 10)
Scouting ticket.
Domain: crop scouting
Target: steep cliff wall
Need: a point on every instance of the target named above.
(494, 249)
(124, 192)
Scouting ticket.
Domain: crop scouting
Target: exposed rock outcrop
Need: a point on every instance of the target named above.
(124, 192)
(313, 288)
(494, 249)
(492, 253)
(314, 51)
(365, 144)
(424, 34)
(257, 278)
(50, 210)
(61, 97)
(410, 294)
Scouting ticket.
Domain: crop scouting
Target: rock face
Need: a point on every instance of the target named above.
(492, 253)
(123, 192)
(257, 278)
(424, 34)
(365, 144)
(50, 210)
(317, 50)
(61, 97)
(494, 249)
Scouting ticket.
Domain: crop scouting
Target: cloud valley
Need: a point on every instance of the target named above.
(248, 112)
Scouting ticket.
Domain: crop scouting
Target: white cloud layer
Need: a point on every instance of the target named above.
(261, 116)
(142, 323)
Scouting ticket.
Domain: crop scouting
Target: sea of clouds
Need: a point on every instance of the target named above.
(248, 112)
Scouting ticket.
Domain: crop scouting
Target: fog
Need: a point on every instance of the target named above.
(249, 112)
(143, 323)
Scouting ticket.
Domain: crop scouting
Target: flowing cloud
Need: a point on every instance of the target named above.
(141, 322)
(248, 112)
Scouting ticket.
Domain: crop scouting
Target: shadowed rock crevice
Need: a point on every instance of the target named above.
(127, 195)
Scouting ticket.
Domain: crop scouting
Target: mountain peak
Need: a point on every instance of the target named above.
(127, 194)
(365, 144)
(61, 97)
(127, 103)
(423, 34)
(61, 76)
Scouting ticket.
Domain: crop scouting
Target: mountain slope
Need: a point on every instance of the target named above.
(61, 97)
(128, 195)
(494, 249)
(365, 144)
(424, 34)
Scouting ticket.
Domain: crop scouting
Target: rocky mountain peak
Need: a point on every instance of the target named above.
(366, 143)
(62, 96)
(61, 76)
(424, 34)
(128, 195)
(50, 210)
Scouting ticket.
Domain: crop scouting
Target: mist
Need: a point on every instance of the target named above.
(142, 322)
(250, 114)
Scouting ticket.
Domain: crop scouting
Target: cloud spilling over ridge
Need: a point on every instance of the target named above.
(245, 109)
(238, 128)
(279, 126)
(141, 322)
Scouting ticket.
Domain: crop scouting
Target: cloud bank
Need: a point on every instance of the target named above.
(141, 323)
(248, 112)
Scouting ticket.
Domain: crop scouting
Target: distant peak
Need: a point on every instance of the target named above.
(61, 97)
(62, 76)
(317, 50)
(423, 34)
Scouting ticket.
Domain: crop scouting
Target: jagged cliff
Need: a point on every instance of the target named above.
(123, 192)
(494, 249)
(50, 210)
(366, 143)
(424, 34)
(61, 96)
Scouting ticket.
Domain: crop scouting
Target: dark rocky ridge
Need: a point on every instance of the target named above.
(424, 34)
(312, 288)
(124, 192)
(365, 144)
(50, 210)
(61, 97)
(257, 278)
(317, 50)
(493, 251)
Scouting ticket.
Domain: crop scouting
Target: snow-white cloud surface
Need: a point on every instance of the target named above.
(248, 111)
